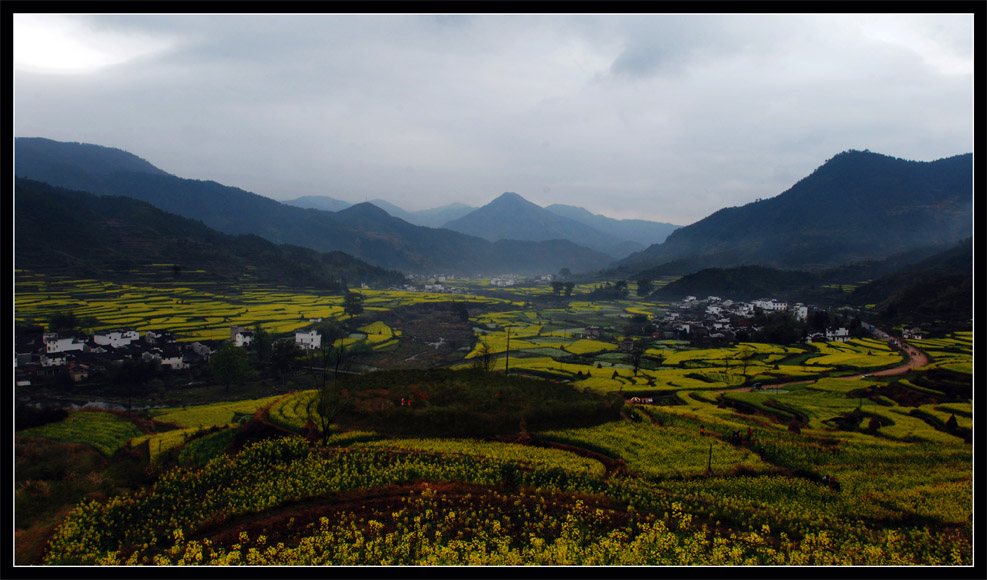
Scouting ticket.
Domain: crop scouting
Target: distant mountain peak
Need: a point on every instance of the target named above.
(364, 210)
(509, 197)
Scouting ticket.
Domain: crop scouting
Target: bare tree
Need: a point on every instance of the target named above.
(484, 359)
(325, 364)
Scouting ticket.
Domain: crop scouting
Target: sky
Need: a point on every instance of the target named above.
(665, 117)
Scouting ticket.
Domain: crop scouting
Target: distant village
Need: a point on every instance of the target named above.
(710, 322)
(436, 283)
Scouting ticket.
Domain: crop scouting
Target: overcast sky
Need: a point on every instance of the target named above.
(662, 117)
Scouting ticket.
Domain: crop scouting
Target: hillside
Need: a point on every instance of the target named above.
(437, 217)
(81, 234)
(740, 283)
(641, 232)
(323, 202)
(375, 237)
(925, 285)
(857, 206)
(936, 290)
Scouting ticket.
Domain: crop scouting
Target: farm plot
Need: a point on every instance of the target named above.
(528, 456)
(294, 411)
(857, 353)
(953, 353)
(105, 432)
(659, 453)
(195, 419)
(191, 314)
(210, 415)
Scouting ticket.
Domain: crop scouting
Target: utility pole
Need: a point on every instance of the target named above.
(507, 360)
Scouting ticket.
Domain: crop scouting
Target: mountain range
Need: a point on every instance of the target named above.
(432, 218)
(511, 217)
(858, 206)
(362, 230)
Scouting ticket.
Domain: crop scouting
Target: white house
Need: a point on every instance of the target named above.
(308, 339)
(771, 305)
(839, 335)
(912, 333)
(55, 342)
(158, 337)
(801, 312)
(200, 349)
(744, 309)
(241, 336)
(169, 356)
(116, 338)
(55, 359)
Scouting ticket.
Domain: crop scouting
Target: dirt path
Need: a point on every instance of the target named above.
(916, 359)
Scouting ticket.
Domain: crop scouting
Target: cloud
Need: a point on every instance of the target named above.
(63, 45)
(667, 117)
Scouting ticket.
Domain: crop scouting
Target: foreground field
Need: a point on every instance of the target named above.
(663, 485)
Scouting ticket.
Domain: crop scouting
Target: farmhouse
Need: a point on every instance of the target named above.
(115, 338)
(167, 356)
(199, 349)
(838, 335)
(308, 339)
(912, 333)
(241, 336)
(158, 337)
(64, 342)
(771, 305)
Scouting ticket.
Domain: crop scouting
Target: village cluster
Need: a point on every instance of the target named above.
(436, 282)
(39, 353)
(716, 321)
(710, 322)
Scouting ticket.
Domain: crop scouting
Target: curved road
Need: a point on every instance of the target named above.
(915, 359)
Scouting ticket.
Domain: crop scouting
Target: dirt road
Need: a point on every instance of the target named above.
(915, 359)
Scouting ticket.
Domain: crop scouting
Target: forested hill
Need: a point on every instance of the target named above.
(935, 291)
(81, 234)
(857, 206)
